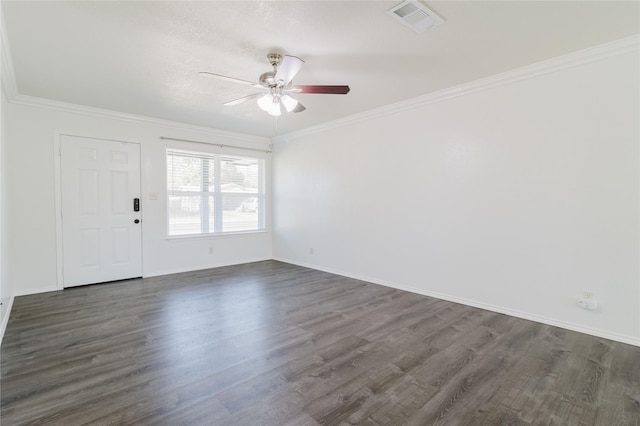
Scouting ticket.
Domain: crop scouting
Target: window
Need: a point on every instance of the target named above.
(214, 193)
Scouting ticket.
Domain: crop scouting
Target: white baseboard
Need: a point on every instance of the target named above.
(494, 308)
(23, 292)
(631, 340)
(201, 267)
(26, 292)
(5, 320)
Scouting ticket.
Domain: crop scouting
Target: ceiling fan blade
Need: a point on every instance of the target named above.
(243, 99)
(299, 108)
(229, 79)
(288, 69)
(327, 90)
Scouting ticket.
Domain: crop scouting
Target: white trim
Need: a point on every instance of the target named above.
(5, 320)
(595, 53)
(214, 237)
(57, 170)
(57, 177)
(214, 148)
(133, 118)
(203, 267)
(631, 340)
(48, 289)
(219, 145)
(592, 54)
(7, 72)
(38, 290)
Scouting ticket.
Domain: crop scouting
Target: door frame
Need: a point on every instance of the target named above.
(57, 170)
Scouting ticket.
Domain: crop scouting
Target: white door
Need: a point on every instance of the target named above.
(101, 231)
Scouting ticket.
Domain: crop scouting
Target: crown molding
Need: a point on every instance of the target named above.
(7, 74)
(137, 119)
(10, 86)
(591, 54)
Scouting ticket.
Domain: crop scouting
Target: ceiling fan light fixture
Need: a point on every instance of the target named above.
(265, 102)
(289, 102)
(275, 109)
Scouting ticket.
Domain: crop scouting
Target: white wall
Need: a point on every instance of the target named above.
(512, 198)
(6, 293)
(31, 207)
(5, 289)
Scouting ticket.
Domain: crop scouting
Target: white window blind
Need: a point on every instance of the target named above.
(214, 193)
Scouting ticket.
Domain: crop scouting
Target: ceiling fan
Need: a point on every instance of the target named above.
(278, 84)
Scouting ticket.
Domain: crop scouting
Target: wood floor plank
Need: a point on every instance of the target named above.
(269, 343)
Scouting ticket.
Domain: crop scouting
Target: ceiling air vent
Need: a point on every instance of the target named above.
(415, 15)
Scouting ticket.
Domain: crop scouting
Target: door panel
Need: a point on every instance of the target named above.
(99, 180)
(90, 247)
(120, 202)
(88, 191)
(120, 238)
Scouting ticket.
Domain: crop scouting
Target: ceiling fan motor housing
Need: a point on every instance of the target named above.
(267, 79)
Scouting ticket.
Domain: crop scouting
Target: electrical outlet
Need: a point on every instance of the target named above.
(588, 304)
(210, 250)
(588, 295)
(311, 251)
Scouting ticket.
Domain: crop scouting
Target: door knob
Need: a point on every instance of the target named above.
(136, 221)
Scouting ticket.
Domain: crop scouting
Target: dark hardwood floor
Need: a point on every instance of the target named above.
(270, 343)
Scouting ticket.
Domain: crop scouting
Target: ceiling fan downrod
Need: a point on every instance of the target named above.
(268, 79)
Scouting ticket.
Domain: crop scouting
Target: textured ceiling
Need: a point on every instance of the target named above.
(144, 57)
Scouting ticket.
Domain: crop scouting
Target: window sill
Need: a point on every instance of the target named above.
(215, 236)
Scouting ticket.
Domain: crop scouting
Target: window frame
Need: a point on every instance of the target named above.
(217, 154)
